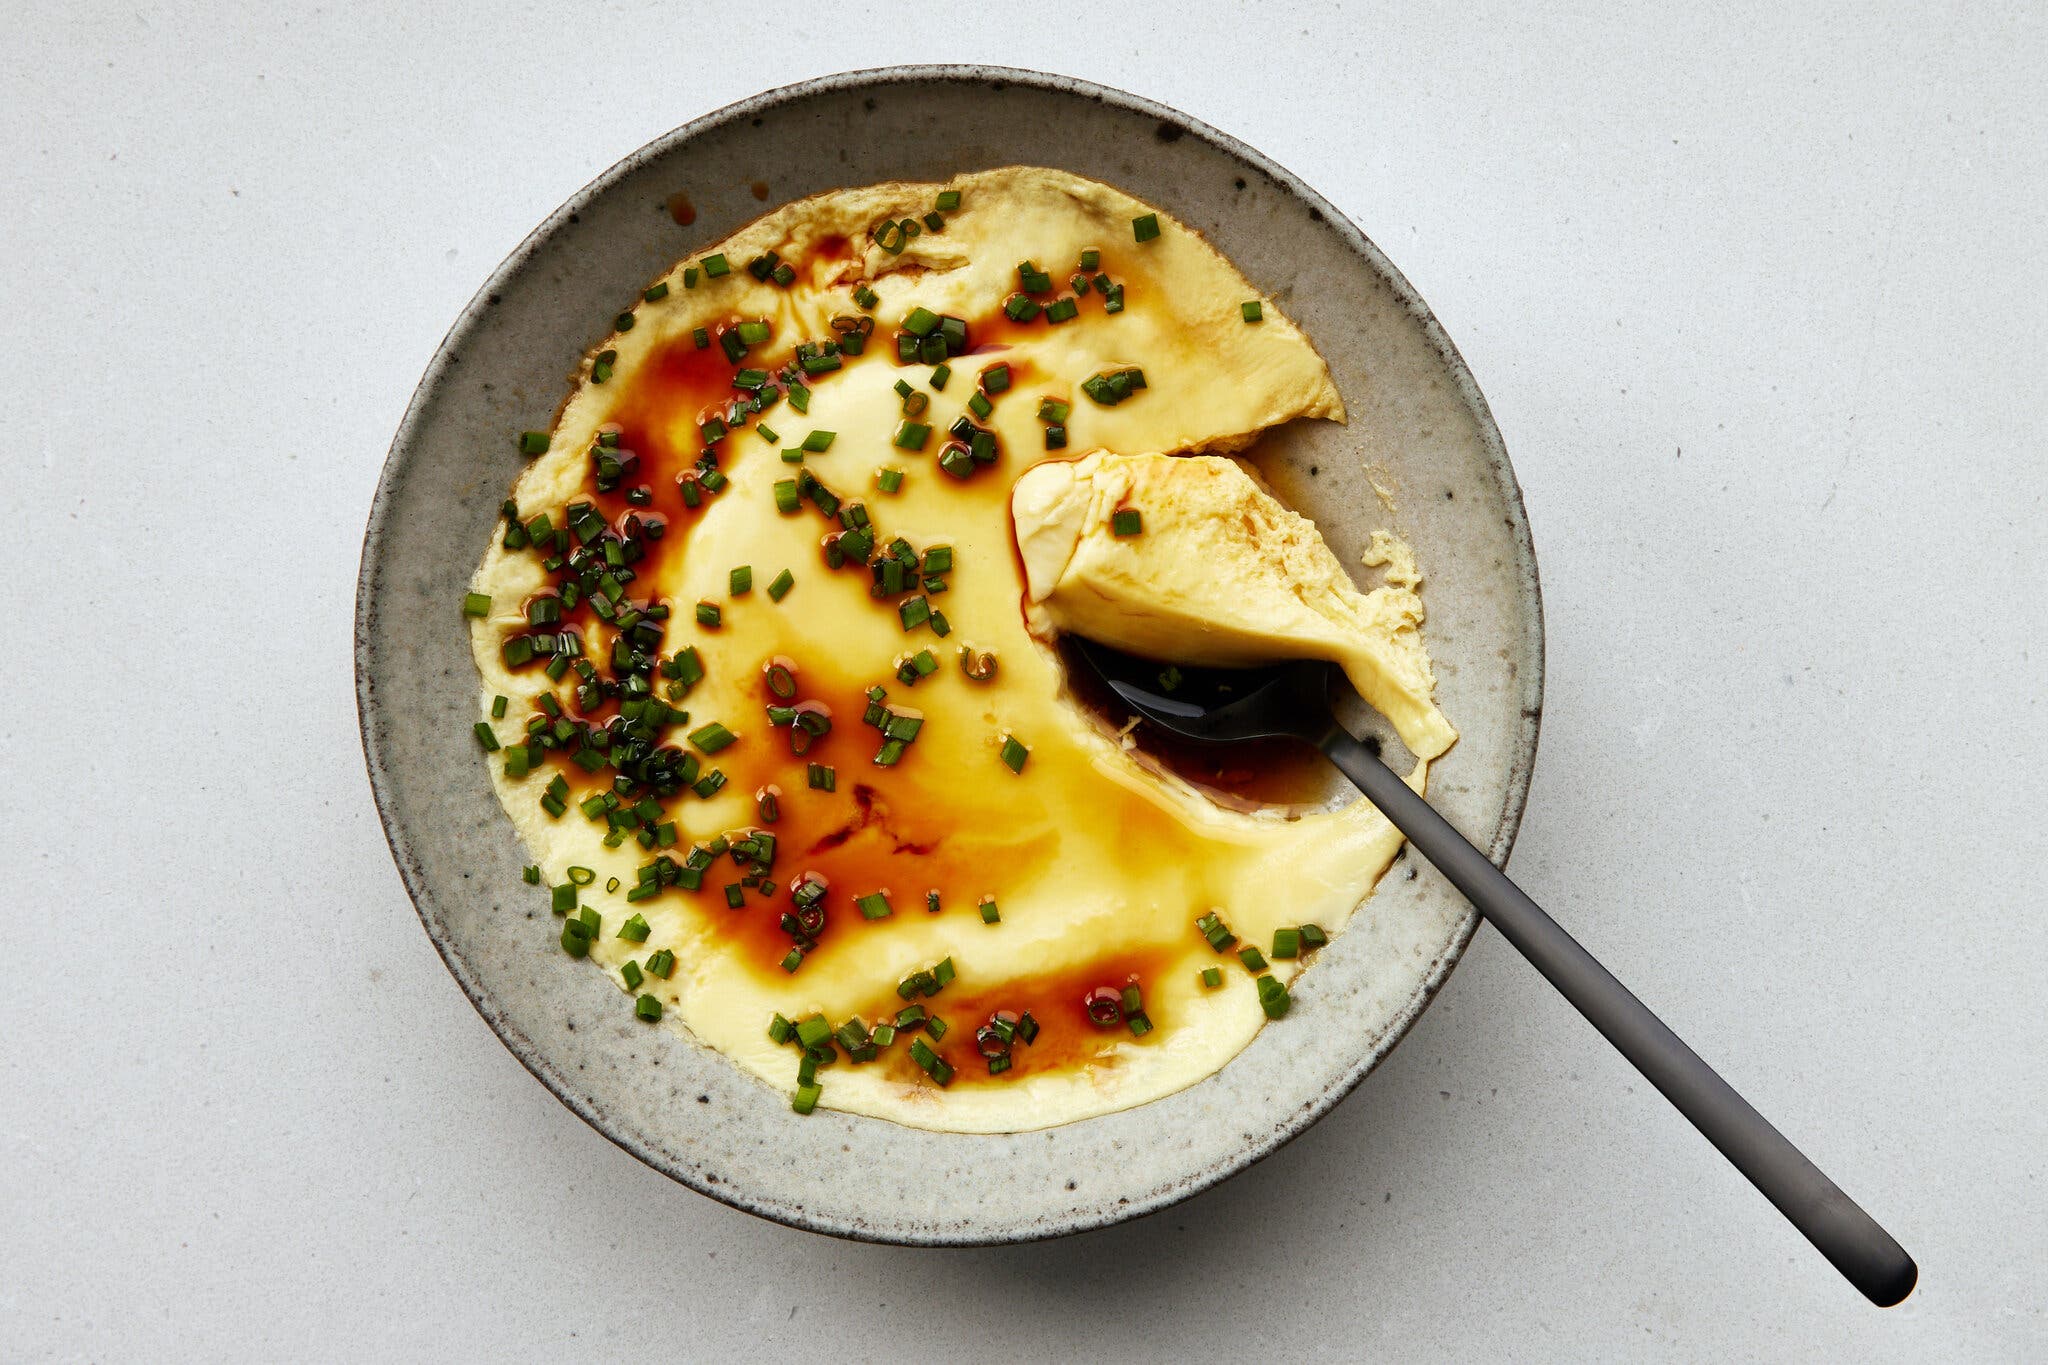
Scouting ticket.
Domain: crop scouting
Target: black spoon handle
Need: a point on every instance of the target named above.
(1850, 1238)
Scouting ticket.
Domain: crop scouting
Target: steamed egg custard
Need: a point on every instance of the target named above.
(769, 683)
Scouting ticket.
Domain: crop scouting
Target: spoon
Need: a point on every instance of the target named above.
(1293, 701)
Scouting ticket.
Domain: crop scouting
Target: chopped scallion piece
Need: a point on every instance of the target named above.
(1146, 228)
(1286, 943)
(1273, 996)
(716, 265)
(708, 615)
(948, 200)
(476, 604)
(1253, 310)
(740, 581)
(807, 1097)
(711, 738)
(1014, 754)
(662, 964)
(818, 442)
(1312, 936)
(779, 588)
(657, 293)
(1212, 977)
(889, 480)
(634, 930)
(1254, 961)
(989, 913)
(821, 777)
(1126, 522)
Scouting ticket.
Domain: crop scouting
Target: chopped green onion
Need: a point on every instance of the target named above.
(1053, 410)
(1273, 996)
(1021, 308)
(632, 974)
(818, 442)
(711, 738)
(939, 377)
(948, 200)
(662, 964)
(1312, 936)
(1033, 280)
(1090, 259)
(921, 321)
(708, 615)
(486, 736)
(1146, 228)
(624, 322)
(779, 589)
(716, 265)
(740, 581)
(581, 876)
(989, 913)
(634, 930)
(1014, 754)
(996, 378)
(914, 612)
(821, 778)
(533, 443)
(657, 293)
(786, 499)
(889, 480)
(1254, 960)
(498, 707)
(690, 273)
(1062, 309)
(1126, 522)
(978, 404)
(575, 938)
(1212, 977)
(1286, 943)
(865, 297)
(912, 435)
(531, 874)
(875, 905)
(807, 1097)
(476, 604)
(934, 1065)
(1055, 438)
(1253, 310)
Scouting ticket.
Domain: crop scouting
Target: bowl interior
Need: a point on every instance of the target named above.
(1418, 428)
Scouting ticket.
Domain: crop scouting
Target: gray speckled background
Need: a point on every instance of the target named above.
(1758, 303)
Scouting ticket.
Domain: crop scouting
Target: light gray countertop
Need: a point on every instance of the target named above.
(1759, 305)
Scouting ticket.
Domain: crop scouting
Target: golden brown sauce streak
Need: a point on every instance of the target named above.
(1067, 1038)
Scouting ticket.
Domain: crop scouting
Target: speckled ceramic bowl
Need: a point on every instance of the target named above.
(1418, 426)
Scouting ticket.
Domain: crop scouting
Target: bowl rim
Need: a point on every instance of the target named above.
(1499, 845)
